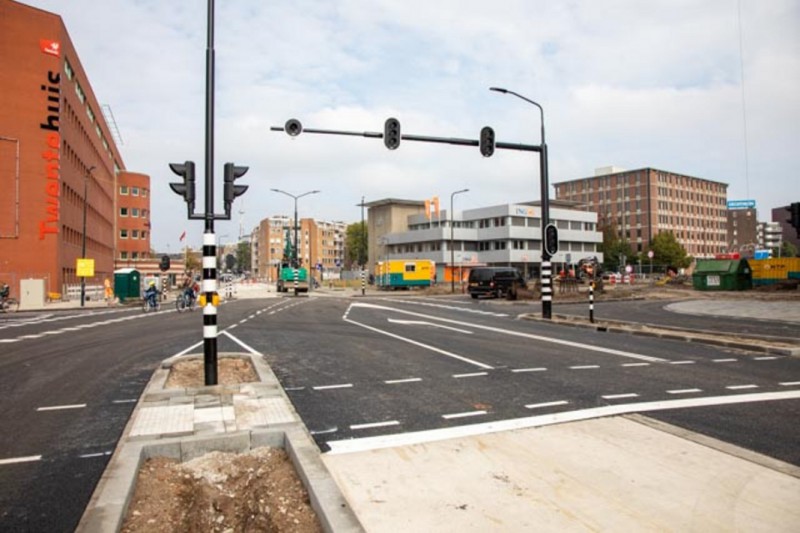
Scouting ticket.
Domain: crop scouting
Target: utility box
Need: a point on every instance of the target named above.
(722, 275)
(127, 283)
(31, 294)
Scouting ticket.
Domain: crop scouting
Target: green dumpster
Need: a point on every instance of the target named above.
(126, 283)
(722, 275)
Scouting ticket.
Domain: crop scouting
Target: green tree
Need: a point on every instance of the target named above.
(355, 244)
(787, 249)
(614, 249)
(244, 256)
(668, 251)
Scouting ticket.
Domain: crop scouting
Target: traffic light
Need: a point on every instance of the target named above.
(293, 127)
(391, 133)
(231, 191)
(487, 141)
(794, 211)
(164, 265)
(550, 240)
(185, 189)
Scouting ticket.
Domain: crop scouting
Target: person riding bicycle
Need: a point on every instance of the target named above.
(189, 288)
(151, 294)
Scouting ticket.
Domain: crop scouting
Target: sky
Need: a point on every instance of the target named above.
(706, 88)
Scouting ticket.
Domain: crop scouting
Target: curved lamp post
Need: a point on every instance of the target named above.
(452, 252)
(83, 246)
(296, 222)
(546, 272)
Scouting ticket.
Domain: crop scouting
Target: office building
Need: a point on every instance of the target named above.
(743, 232)
(640, 204)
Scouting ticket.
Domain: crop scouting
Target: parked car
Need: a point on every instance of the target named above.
(494, 281)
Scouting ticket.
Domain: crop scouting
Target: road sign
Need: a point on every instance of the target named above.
(651, 254)
(550, 240)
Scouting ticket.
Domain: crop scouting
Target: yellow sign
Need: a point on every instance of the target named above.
(85, 268)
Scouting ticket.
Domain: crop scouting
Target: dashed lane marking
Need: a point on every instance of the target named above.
(546, 404)
(741, 387)
(371, 425)
(728, 360)
(464, 415)
(471, 375)
(584, 367)
(15, 460)
(635, 364)
(93, 455)
(406, 380)
(789, 383)
(684, 391)
(537, 369)
(61, 407)
(620, 396)
(329, 387)
(682, 362)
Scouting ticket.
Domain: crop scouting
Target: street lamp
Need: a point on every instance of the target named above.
(546, 272)
(83, 247)
(452, 252)
(296, 197)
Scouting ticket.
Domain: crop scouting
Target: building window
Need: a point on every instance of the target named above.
(123, 234)
(68, 70)
(123, 211)
(135, 234)
(134, 255)
(144, 193)
(123, 190)
(123, 255)
(134, 191)
(135, 212)
(79, 92)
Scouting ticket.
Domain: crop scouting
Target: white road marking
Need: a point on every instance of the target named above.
(463, 415)
(327, 387)
(287, 389)
(635, 364)
(471, 375)
(741, 387)
(729, 360)
(253, 351)
(421, 345)
(375, 425)
(681, 362)
(684, 391)
(546, 404)
(584, 367)
(91, 455)
(61, 407)
(129, 400)
(419, 437)
(789, 383)
(553, 340)
(15, 460)
(6, 341)
(406, 380)
(424, 323)
(324, 431)
(765, 358)
(620, 396)
(243, 321)
(538, 369)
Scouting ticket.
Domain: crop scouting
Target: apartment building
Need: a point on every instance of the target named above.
(500, 235)
(59, 164)
(640, 204)
(742, 229)
(770, 235)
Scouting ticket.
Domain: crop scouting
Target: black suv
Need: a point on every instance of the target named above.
(494, 281)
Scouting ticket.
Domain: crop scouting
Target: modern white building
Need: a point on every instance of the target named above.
(770, 235)
(501, 235)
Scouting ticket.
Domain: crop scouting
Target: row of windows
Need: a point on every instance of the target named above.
(489, 246)
(498, 222)
(134, 212)
(134, 234)
(133, 255)
(124, 190)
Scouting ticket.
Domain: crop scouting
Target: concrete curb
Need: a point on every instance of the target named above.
(613, 326)
(109, 503)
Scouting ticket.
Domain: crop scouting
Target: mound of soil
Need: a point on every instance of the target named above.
(230, 371)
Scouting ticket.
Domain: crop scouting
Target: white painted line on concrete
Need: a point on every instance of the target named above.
(463, 415)
(584, 367)
(684, 391)
(741, 387)
(553, 340)
(620, 396)
(128, 400)
(242, 321)
(34, 336)
(471, 375)
(546, 404)
(92, 455)
(635, 364)
(61, 407)
(538, 369)
(15, 460)
(375, 425)
(253, 351)
(425, 323)
(765, 358)
(789, 383)
(419, 437)
(729, 360)
(7, 341)
(251, 316)
(421, 345)
(681, 362)
(232, 327)
(328, 387)
(407, 380)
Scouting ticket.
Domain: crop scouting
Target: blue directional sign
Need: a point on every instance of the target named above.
(741, 204)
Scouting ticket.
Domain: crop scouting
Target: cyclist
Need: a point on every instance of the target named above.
(151, 294)
(189, 288)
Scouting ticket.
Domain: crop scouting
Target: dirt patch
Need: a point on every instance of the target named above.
(230, 371)
(221, 492)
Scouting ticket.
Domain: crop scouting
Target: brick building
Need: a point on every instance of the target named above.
(641, 203)
(58, 158)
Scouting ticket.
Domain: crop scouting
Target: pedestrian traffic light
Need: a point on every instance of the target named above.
(487, 141)
(550, 240)
(185, 189)
(231, 191)
(391, 133)
(164, 265)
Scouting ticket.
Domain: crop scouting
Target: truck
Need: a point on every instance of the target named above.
(286, 278)
(404, 273)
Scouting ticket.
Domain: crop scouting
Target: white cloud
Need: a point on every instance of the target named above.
(622, 82)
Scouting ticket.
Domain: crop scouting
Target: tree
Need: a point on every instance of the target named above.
(668, 251)
(786, 249)
(244, 255)
(614, 249)
(355, 244)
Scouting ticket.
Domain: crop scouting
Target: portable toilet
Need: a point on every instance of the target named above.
(126, 283)
(722, 275)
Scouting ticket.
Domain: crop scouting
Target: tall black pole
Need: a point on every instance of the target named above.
(546, 270)
(209, 239)
(83, 247)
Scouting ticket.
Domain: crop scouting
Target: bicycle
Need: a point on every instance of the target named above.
(184, 302)
(9, 305)
(151, 304)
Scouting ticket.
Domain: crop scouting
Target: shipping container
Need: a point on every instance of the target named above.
(404, 273)
(774, 270)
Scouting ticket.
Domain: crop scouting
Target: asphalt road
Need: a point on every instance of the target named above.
(361, 367)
